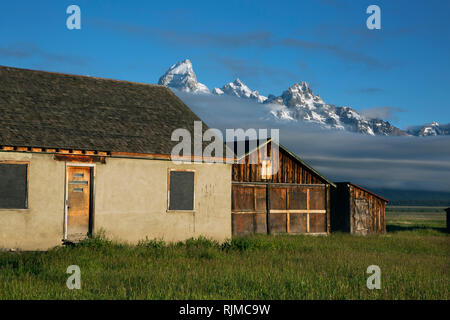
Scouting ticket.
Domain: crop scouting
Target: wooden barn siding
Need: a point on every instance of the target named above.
(280, 208)
(290, 170)
(247, 218)
(376, 220)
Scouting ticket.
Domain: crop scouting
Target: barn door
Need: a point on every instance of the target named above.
(78, 203)
(360, 214)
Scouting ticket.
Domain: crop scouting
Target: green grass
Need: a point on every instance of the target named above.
(413, 257)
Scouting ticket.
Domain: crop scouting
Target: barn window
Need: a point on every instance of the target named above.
(181, 190)
(266, 169)
(13, 185)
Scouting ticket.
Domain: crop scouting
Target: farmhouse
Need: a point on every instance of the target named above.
(282, 194)
(357, 210)
(81, 154)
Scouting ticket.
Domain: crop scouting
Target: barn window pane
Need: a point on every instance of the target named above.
(181, 192)
(13, 186)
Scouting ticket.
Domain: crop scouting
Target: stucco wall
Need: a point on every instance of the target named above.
(41, 225)
(130, 202)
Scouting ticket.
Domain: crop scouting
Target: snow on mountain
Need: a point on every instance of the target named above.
(217, 91)
(297, 103)
(181, 76)
(238, 89)
(432, 129)
(302, 104)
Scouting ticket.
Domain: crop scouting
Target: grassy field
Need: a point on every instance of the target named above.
(413, 257)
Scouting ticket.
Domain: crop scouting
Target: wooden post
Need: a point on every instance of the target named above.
(268, 207)
(254, 210)
(288, 216)
(328, 206)
(307, 210)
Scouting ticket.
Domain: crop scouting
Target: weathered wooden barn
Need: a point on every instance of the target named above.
(82, 154)
(357, 210)
(293, 199)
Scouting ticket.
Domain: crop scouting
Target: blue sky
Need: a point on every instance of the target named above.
(403, 68)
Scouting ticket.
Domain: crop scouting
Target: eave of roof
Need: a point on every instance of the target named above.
(364, 189)
(307, 165)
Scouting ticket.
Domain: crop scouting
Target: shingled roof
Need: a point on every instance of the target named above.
(52, 110)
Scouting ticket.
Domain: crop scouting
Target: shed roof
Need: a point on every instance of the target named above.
(53, 110)
(359, 187)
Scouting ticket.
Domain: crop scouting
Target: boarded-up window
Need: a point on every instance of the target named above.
(181, 190)
(13, 186)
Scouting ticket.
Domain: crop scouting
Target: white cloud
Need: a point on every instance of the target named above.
(421, 163)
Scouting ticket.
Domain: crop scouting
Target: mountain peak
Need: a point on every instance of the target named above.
(238, 82)
(238, 89)
(297, 103)
(181, 76)
(302, 87)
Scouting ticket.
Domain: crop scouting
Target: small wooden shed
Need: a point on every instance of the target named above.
(293, 199)
(357, 210)
(448, 220)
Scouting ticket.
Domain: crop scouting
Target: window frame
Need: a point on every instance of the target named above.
(168, 191)
(27, 195)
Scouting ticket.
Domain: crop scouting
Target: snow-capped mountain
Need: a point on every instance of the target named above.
(432, 129)
(238, 89)
(181, 76)
(300, 103)
(297, 103)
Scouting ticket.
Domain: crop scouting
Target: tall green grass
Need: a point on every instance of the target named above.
(414, 265)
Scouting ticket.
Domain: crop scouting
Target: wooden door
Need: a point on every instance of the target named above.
(360, 214)
(78, 202)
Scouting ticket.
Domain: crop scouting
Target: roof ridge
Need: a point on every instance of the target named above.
(83, 76)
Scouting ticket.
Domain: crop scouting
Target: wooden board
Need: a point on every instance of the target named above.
(298, 223)
(317, 223)
(242, 224)
(278, 199)
(317, 199)
(242, 198)
(297, 198)
(293, 208)
(360, 216)
(78, 202)
(278, 223)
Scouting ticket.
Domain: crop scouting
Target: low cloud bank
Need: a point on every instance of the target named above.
(416, 163)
